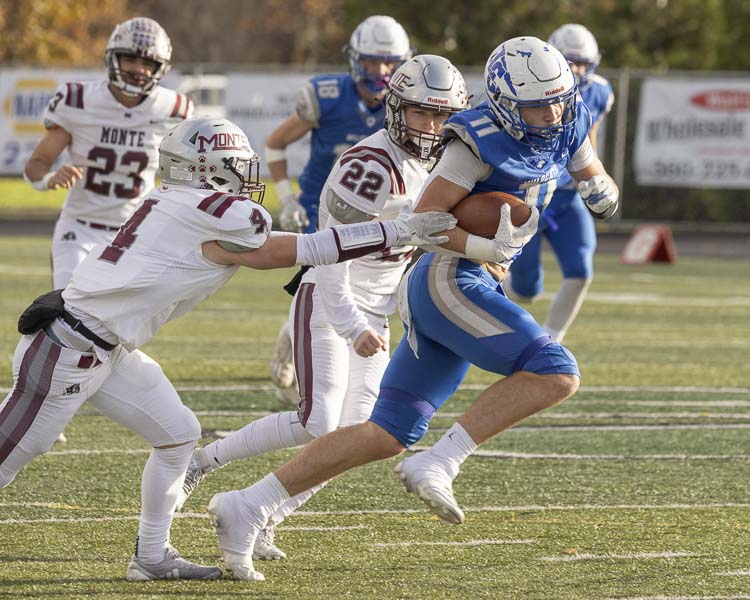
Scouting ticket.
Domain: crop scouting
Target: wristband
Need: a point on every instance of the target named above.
(41, 185)
(480, 248)
(273, 155)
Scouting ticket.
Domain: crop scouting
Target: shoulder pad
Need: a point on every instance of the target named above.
(308, 107)
(182, 108)
(240, 220)
(365, 178)
(68, 99)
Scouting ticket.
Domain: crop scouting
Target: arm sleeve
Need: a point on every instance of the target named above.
(337, 297)
(583, 157)
(460, 165)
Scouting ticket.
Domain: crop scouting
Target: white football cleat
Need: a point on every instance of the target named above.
(172, 566)
(61, 438)
(265, 548)
(235, 536)
(433, 486)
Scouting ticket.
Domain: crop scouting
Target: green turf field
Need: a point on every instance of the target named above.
(638, 487)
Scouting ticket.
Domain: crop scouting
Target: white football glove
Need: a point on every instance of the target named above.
(600, 195)
(509, 239)
(293, 216)
(419, 229)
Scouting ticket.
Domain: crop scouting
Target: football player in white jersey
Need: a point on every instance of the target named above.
(338, 110)
(182, 242)
(339, 317)
(112, 129)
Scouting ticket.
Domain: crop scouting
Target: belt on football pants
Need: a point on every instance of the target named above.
(79, 327)
(97, 225)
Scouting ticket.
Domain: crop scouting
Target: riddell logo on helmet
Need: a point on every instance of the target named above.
(433, 100)
(222, 141)
(555, 91)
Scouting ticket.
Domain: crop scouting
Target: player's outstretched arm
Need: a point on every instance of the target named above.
(337, 244)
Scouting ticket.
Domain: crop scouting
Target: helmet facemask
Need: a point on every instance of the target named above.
(378, 38)
(424, 146)
(541, 138)
(211, 154)
(138, 37)
(426, 82)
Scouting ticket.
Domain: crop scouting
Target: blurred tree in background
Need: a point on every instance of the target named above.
(54, 33)
(652, 34)
(644, 34)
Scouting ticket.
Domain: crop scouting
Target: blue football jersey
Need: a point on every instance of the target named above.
(343, 120)
(517, 168)
(596, 93)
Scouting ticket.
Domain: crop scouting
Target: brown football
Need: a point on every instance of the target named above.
(480, 213)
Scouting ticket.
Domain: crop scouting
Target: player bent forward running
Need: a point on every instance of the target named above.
(455, 311)
(179, 246)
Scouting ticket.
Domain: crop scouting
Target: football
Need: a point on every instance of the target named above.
(480, 213)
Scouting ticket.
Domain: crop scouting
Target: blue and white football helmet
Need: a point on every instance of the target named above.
(578, 45)
(526, 72)
(380, 37)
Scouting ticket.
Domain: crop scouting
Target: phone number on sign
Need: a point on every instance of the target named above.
(706, 169)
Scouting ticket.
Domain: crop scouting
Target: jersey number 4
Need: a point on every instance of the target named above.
(126, 235)
(96, 176)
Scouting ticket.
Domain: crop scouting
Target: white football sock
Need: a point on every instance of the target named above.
(293, 504)
(453, 449)
(161, 480)
(565, 306)
(273, 432)
(263, 499)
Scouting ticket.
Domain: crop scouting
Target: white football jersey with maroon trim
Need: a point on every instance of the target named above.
(154, 269)
(378, 178)
(116, 147)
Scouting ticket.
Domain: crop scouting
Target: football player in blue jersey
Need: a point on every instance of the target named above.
(566, 223)
(530, 129)
(340, 110)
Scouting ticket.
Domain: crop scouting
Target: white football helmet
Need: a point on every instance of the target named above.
(526, 72)
(142, 37)
(379, 37)
(426, 81)
(211, 154)
(578, 45)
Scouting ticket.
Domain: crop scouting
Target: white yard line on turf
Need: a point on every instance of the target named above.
(634, 556)
(740, 597)
(602, 457)
(384, 511)
(734, 573)
(469, 543)
(261, 387)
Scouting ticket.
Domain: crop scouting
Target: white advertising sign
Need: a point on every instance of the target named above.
(258, 103)
(694, 133)
(24, 95)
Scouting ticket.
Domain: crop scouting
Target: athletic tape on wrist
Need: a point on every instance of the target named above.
(274, 155)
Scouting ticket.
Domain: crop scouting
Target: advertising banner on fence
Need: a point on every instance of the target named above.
(24, 95)
(694, 133)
